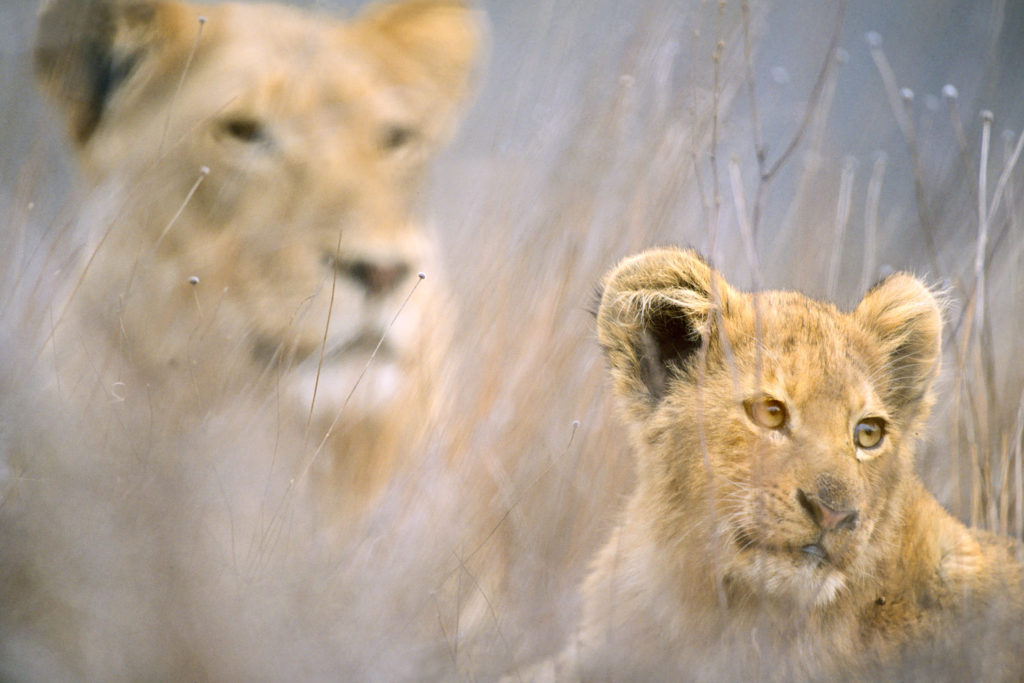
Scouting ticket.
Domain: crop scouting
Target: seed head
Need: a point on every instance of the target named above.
(780, 75)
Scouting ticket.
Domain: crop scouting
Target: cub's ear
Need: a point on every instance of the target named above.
(905, 319)
(654, 315)
(433, 47)
(87, 50)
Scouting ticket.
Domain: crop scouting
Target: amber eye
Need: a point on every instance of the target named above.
(244, 129)
(396, 137)
(869, 432)
(767, 412)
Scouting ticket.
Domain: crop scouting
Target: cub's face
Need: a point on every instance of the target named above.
(773, 426)
(261, 167)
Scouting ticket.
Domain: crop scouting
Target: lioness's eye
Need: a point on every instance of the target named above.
(393, 137)
(246, 130)
(869, 432)
(767, 412)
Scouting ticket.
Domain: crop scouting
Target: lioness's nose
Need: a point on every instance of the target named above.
(824, 516)
(375, 278)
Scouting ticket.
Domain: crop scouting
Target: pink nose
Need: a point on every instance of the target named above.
(375, 278)
(827, 518)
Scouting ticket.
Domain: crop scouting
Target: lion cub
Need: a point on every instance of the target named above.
(777, 529)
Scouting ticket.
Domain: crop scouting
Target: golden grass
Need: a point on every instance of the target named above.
(188, 550)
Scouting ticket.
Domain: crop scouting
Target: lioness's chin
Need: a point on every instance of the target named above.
(348, 387)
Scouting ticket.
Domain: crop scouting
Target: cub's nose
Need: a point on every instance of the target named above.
(827, 518)
(377, 278)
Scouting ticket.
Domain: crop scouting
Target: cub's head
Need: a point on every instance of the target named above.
(773, 429)
(253, 173)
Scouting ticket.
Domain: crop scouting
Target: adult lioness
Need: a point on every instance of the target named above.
(251, 179)
(777, 530)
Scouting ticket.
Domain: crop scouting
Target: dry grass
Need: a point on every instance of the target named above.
(184, 548)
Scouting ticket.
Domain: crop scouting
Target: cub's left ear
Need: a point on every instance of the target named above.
(432, 47)
(656, 311)
(905, 318)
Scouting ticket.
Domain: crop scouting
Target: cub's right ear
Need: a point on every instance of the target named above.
(86, 50)
(654, 316)
(905, 318)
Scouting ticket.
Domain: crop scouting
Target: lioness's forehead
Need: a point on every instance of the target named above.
(275, 25)
(275, 37)
(279, 59)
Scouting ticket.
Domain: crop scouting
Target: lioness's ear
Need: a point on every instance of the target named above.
(654, 315)
(429, 44)
(86, 50)
(906, 320)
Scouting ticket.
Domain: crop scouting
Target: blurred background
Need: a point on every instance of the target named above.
(799, 144)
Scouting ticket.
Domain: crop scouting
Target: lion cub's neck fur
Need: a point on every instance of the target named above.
(777, 528)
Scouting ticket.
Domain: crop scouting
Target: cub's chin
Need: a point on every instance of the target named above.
(799, 577)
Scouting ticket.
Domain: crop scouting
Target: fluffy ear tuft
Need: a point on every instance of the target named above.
(85, 50)
(435, 45)
(906, 319)
(654, 316)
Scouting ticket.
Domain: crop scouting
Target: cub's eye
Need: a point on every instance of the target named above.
(395, 137)
(869, 432)
(244, 129)
(767, 412)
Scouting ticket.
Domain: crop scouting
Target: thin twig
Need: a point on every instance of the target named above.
(177, 89)
(203, 172)
(765, 171)
(951, 95)
(519, 498)
(842, 220)
(755, 119)
(868, 269)
(1004, 177)
(983, 215)
(816, 91)
(359, 379)
(716, 94)
(1018, 438)
(327, 328)
(746, 231)
(901, 101)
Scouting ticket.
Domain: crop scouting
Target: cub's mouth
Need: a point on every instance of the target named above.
(815, 553)
(815, 550)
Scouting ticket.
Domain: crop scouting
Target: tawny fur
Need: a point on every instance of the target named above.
(725, 564)
(251, 182)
